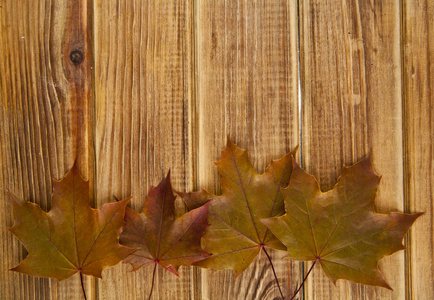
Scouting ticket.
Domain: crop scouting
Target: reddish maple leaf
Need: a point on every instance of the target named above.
(161, 238)
(235, 235)
(339, 229)
(72, 237)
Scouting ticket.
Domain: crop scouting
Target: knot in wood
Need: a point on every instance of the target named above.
(76, 57)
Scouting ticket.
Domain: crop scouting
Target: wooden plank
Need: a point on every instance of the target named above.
(44, 115)
(247, 88)
(351, 107)
(144, 121)
(418, 49)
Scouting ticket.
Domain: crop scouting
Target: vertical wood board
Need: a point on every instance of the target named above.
(144, 121)
(45, 117)
(350, 109)
(418, 50)
(246, 87)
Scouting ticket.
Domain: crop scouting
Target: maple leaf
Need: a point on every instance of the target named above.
(72, 237)
(235, 235)
(162, 239)
(339, 228)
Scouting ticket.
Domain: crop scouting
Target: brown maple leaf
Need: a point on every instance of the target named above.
(235, 235)
(339, 229)
(161, 238)
(72, 237)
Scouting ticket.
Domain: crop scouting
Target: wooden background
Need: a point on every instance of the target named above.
(161, 85)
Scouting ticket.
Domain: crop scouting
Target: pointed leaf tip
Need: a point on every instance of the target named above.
(294, 163)
(76, 169)
(12, 197)
(16, 201)
(228, 141)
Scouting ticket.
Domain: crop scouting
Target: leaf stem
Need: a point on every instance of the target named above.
(304, 280)
(274, 272)
(153, 277)
(82, 285)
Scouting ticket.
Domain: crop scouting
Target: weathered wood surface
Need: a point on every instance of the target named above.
(351, 108)
(171, 79)
(418, 57)
(247, 82)
(145, 116)
(45, 121)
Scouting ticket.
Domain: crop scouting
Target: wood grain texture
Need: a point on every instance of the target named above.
(170, 81)
(144, 121)
(44, 115)
(418, 50)
(352, 105)
(246, 87)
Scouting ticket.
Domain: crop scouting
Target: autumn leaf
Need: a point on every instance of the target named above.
(339, 229)
(72, 237)
(235, 235)
(161, 238)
